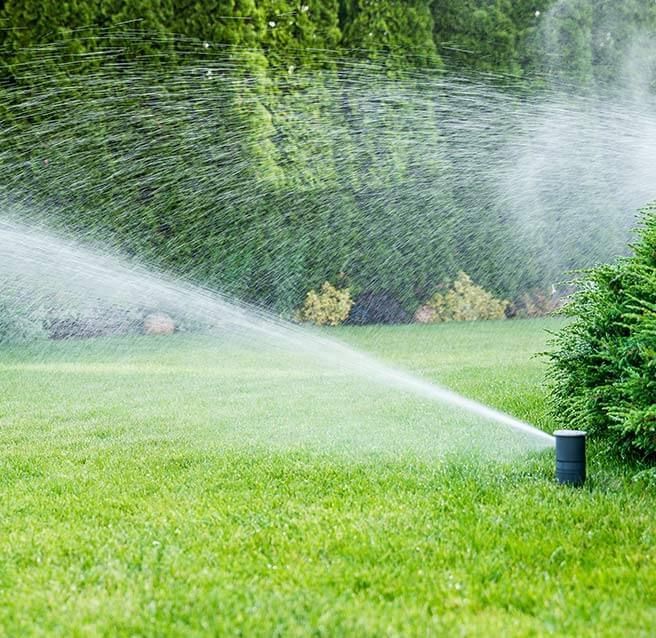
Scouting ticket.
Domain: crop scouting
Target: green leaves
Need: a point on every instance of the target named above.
(604, 362)
(394, 33)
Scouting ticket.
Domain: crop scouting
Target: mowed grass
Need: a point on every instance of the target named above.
(185, 486)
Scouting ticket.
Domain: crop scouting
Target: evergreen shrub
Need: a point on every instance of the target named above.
(603, 364)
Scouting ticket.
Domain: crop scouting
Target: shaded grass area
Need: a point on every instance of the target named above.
(142, 495)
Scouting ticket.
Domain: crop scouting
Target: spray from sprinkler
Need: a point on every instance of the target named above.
(570, 457)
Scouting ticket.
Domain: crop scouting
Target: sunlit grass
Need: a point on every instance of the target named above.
(183, 487)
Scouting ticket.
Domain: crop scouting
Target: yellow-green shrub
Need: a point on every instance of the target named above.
(329, 307)
(464, 301)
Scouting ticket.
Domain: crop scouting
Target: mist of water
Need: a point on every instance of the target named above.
(562, 172)
(43, 263)
(434, 160)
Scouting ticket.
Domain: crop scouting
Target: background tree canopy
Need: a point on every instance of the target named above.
(267, 146)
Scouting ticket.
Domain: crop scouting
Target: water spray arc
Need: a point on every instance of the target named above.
(46, 263)
(420, 168)
(420, 175)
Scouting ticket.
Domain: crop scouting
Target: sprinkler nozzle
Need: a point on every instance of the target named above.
(570, 457)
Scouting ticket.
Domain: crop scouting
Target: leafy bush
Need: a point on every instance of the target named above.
(536, 303)
(336, 178)
(603, 367)
(19, 319)
(464, 301)
(330, 307)
(83, 321)
(377, 308)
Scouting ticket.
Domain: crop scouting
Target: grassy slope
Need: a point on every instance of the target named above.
(139, 496)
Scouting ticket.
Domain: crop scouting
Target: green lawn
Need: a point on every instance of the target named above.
(194, 486)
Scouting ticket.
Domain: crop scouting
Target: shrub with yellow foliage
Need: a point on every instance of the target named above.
(464, 301)
(329, 307)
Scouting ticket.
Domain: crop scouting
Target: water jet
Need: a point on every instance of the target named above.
(44, 263)
(570, 457)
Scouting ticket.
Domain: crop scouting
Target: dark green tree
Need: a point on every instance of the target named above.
(393, 33)
(596, 43)
(235, 23)
(492, 36)
(27, 24)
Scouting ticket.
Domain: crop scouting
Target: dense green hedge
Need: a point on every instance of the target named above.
(303, 194)
(226, 141)
(604, 362)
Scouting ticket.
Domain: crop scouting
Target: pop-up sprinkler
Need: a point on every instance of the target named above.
(570, 457)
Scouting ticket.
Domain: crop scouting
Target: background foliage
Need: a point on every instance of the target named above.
(328, 184)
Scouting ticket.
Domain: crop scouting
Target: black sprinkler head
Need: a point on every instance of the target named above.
(570, 457)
